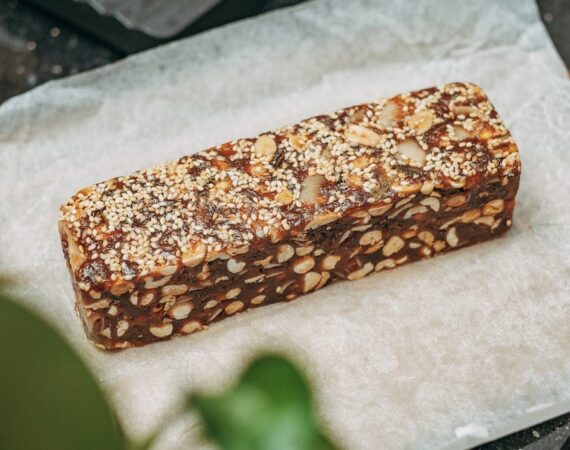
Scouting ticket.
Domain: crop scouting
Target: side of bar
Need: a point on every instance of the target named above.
(172, 249)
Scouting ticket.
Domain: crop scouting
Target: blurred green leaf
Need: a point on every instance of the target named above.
(270, 409)
(49, 400)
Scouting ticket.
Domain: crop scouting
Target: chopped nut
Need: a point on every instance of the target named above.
(174, 289)
(135, 298)
(471, 215)
(297, 142)
(122, 287)
(311, 280)
(361, 162)
(329, 262)
(362, 135)
(370, 237)
(344, 236)
(234, 307)
(409, 234)
(414, 245)
(426, 237)
(150, 283)
(456, 200)
(191, 327)
(302, 251)
(485, 220)
(451, 237)
(415, 210)
(361, 227)
(461, 133)
(285, 197)
(168, 270)
(235, 266)
(113, 310)
(363, 271)
(379, 210)
(162, 330)
(322, 220)
(238, 251)
(311, 188)
(388, 263)
(211, 304)
(122, 327)
(425, 251)
(284, 253)
(432, 202)
(254, 279)
(265, 146)
(388, 116)
(101, 304)
(394, 245)
(493, 207)
(427, 188)
(233, 293)
(439, 246)
(325, 276)
(258, 299)
(181, 310)
(304, 264)
(420, 121)
(147, 298)
(406, 188)
(411, 153)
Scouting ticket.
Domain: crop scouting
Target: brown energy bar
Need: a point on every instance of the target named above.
(171, 249)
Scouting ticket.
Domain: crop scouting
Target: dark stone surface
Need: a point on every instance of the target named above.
(35, 48)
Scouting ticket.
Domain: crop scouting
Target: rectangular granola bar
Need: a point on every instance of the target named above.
(171, 249)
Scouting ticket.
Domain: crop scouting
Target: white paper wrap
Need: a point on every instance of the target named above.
(437, 354)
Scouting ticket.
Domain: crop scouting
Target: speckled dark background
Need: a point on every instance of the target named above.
(35, 47)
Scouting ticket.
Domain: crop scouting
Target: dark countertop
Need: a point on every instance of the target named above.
(35, 48)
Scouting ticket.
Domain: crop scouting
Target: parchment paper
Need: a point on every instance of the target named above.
(441, 353)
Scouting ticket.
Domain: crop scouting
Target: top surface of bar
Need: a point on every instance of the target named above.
(293, 178)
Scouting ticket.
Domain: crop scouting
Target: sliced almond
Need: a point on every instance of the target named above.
(329, 262)
(456, 200)
(304, 264)
(284, 253)
(162, 330)
(297, 142)
(322, 220)
(174, 289)
(421, 121)
(362, 272)
(265, 147)
(311, 188)
(432, 202)
(379, 210)
(310, 281)
(493, 207)
(370, 237)
(362, 135)
(191, 327)
(388, 116)
(195, 255)
(387, 263)
(234, 307)
(258, 299)
(181, 310)
(451, 237)
(235, 266)
(394, 245)
(411, 153)
(415, 210)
